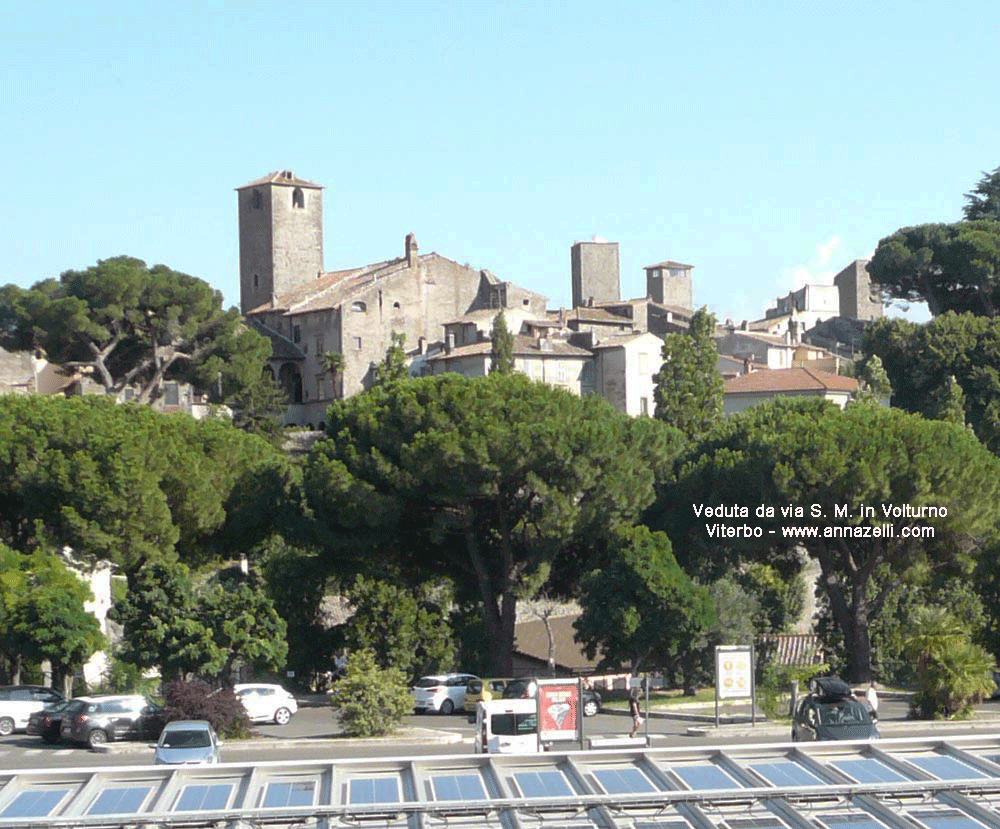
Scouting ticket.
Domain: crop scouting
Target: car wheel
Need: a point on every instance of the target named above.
(6, 726)
(282, 716)
(590, 708)
(97, 737)
(447, 707)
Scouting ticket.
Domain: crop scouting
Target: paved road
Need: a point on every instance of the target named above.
(312, 734)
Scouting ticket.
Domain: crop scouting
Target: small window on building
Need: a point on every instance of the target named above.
(526, 301)
(255, 200)
(256, 282)
(644, 406)
(298, 198)
(359, 306)
(395, 305)
(297, 333)
(357, 343)
(319, 345)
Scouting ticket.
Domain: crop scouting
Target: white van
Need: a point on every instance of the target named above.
(507, 726)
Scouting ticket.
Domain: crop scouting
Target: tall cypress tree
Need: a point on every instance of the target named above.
(502, 352)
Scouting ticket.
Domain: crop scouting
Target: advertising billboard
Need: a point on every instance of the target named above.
(559, 712)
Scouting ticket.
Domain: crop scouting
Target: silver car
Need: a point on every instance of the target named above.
(187, 743)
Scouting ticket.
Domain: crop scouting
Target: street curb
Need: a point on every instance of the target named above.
(411, 736)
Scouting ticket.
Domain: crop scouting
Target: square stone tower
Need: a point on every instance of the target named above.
(594, 271)
(858, 299)
(281, 236)
(670, 283)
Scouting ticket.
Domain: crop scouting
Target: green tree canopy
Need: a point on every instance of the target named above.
(401, 628)
(984, 200)
(951, 267)
(641, 611)
(841, 475)
(488, 479)
(124, 484)
(924, 361)
(688, 389)
(125, 324)
(501, 346)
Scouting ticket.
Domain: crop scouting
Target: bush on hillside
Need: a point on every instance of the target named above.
(195, 700)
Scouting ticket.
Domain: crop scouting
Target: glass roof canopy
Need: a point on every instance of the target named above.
(941, 783)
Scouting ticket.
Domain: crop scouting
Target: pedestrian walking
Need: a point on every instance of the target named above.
(872, 696)
(635, 711)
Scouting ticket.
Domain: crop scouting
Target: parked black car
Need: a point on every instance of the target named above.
(98, 720)
(527, 688)
(47, 723)
(17, 702)
(830, 712)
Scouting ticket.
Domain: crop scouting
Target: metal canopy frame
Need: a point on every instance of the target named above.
(774, 786)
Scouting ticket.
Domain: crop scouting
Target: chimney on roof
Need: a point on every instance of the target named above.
(288, 174)
(449, 343)
(747, 365)
(411, 250)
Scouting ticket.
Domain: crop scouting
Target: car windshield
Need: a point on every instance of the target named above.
(186, 738)
(475, 686)
(428, 682)
(843, 713)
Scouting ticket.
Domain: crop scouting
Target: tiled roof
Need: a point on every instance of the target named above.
(667, 263)
(793, 648)
(789, 380)
(285, 177)
(524, 346)
(760, 336)
(596, 315)
(532, 640)
(282, 348)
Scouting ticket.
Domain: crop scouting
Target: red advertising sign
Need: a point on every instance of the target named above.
(558, 710)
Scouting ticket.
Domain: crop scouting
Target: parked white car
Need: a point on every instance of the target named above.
(442, 692)
(266, 703)
(19, 702)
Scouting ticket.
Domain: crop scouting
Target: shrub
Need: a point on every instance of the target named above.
(371, 700)
(195, 700)
(775, 685)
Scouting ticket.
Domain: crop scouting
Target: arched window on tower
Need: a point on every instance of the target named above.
(298, 198)
(255, 200)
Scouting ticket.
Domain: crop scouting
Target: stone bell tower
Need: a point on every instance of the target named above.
(281, 236)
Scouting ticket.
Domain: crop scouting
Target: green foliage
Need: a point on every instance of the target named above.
(401, 630)
(296, 583)
(258, 408)
(121, 677)
(45, 619)
(118, 483)
(689, 387)
(775, 602)
(951, 267)
(800, 454)
(171, 626)
(502, 346)
(640, 610)
(393, 367)
(371, 701)
(332, 363)
(774, 686)
(925, 362)
(499, 482)
(245, 627)
(125, 324)
(874, 381)
(953, 673)
(984, 200)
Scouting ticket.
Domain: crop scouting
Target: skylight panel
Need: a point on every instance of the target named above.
(374, 790)
(120, 800)
(542, 784)
(623, 781)
(195, 797)
(944, 767)
(868, 770)
(703, 776)
(787, 773)
(284, 794)
(34, 803)
(458, 787)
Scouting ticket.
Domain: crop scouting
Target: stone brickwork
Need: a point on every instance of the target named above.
(594, 273)
(281, 237)
(858, 301)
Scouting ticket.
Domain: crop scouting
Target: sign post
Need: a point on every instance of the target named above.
(734, 677)
(560, 717)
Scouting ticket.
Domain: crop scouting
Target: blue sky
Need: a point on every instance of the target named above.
(766, 143)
